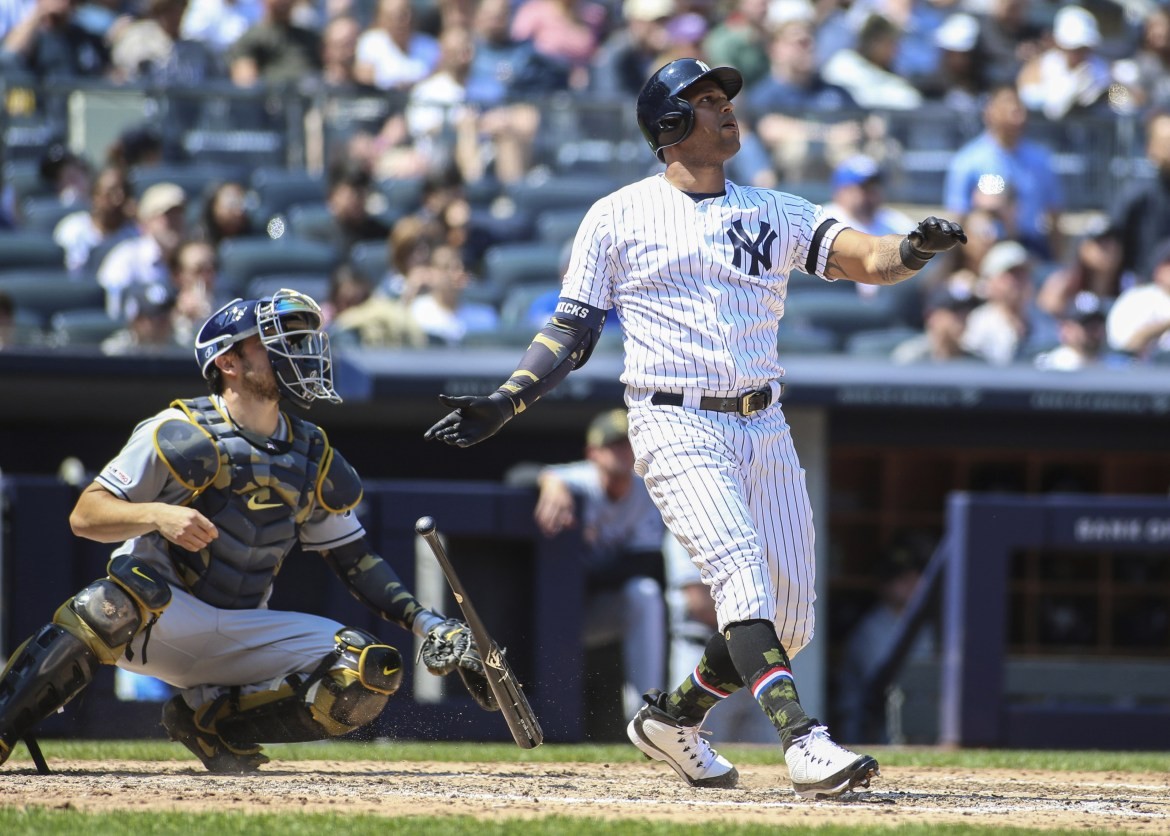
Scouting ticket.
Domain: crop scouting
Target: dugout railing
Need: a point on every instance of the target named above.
(978, 692)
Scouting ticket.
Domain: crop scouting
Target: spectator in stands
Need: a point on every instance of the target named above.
(960, 82)
(339, 41)
(218, 24)
(1069, 77)
(142, 259)
(139, 146)
(691, 611)
(152, 49)
(148, 309)
(225, 214)
(568, 32)
(443, 312)
(629, 54)
(607, 502)
(109, 218)
(12, 12)
(49, 43)
(1007, 326)
(917, 58)
(868, 644)
(1141, 217)
(944, 320)
(393, 54)
(8, 335)
(1001, 157)
(796, 113)
(1082, 336)
(194, 272)
(1146, 74)
(867, 71)
(446, 128)
(412, 240)
(348, 199)
(348, 288)
(66, 175)
(376, 321)
(859, 201)
(1138, 324)
(1095, 268)
(505, 69)
(276, 50)
(740, 40)
(1008, 37)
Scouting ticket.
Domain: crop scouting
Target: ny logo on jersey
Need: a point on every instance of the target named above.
(758, 250)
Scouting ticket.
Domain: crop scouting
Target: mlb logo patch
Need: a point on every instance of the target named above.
(120, 475)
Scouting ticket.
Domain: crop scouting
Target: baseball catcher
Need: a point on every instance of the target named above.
(210, 496)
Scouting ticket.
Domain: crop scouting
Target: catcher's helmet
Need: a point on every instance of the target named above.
(289, 326)
(664, 116)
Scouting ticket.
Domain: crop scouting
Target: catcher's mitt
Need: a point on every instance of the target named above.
(448, 647)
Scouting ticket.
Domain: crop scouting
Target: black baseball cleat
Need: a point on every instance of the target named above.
(819, 768)
(663, 738)
(179, 721)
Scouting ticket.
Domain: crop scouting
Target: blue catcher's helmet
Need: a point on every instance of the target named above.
(289, 325)
(664, 116)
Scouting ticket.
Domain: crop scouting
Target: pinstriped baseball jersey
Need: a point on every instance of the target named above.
(699, 286)
(699, 283)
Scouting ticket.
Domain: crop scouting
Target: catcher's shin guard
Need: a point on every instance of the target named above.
(348, 690)
(91, 628)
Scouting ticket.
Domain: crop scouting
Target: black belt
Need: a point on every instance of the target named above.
(746, 404)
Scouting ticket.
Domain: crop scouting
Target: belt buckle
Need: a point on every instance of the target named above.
(745, 403)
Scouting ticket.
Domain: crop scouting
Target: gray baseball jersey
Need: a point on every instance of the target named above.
(699, 286)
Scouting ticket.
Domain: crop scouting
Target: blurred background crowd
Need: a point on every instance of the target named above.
(421, 166)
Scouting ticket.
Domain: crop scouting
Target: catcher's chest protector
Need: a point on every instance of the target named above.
(257, 500)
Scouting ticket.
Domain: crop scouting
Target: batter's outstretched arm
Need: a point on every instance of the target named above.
(564, 344)
(889, 259)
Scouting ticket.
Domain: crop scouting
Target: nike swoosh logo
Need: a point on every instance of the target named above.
(254, 503)
(141, 574)
(388, 671)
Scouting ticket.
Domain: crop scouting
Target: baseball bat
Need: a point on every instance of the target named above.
(509, 694)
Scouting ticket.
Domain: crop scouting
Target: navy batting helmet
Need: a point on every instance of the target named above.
(289, 325)
(664, 116)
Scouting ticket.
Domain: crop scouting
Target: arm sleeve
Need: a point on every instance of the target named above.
(564, 344)
(373, 582)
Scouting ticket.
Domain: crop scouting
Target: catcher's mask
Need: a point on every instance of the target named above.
(664, 116)
(289, 325)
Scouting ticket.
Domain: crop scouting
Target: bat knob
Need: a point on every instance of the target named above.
(425, 526)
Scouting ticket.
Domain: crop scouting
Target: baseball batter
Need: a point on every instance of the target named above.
(697, 268)
(210, 495)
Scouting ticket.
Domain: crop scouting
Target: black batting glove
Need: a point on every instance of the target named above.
(932, 235)
(474, 418)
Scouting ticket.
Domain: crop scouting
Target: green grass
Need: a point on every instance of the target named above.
(161, 750)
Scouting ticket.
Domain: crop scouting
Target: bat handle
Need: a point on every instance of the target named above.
(425, 526)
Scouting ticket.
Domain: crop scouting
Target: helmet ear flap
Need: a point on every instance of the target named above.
(675, 125)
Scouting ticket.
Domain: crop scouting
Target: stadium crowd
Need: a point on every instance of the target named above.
(431, 161)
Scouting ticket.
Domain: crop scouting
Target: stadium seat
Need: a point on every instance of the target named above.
(42, 213)
(244, 259)
(371, 259)
(311, 221)
(24, 177)
(560, 191)
(402, 195)
(31, 249)
(559, 226)
(801, 338)
(43, 295)
(505, 265)
(241, 147)
(315, 285)
(879, 342)
(84, 326)
(844, 314)
(529, 305)
(194, 178)
(279, 189)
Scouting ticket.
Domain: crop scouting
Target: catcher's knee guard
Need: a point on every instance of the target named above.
(349, 689)
(91, 628)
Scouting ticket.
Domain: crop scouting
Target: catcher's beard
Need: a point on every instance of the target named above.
(259, 381)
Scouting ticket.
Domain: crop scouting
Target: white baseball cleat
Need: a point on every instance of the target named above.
(819, 768)
(682, 748)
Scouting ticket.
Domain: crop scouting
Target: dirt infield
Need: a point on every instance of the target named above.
(1136, 803)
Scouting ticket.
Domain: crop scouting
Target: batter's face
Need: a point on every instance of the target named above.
(715, 137)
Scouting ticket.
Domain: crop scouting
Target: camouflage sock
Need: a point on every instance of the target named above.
(714, 679)
(755, 649)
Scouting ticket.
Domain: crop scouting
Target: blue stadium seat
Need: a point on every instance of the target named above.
(311, 221)
(526, 306)
(194, 178)
(561, 191)
(878, 343)
(371, 259)
(243, 259)
(42, 213)
(523, 262)
(44, 294)
(844, 314)
(559, 226)
(315, 285)
(29, 248)
(279, 189)
(84, 326)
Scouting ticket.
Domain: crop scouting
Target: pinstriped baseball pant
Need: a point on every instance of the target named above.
(732, 491)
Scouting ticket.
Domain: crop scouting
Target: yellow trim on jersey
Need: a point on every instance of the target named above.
(323, 472)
